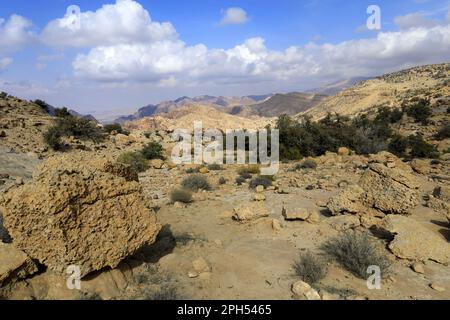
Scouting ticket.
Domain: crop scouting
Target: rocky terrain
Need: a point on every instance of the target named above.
(237, 235)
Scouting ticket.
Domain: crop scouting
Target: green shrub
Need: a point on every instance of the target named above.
(246, 175)
(250, 169)
(109, 128)
(307, 164)
(166, 293)
(420, 111)
(62, 113)
(240, 180)
(260, 181)
(444, 132)
(153, 150)
(356, 252)
(195, 183)
(52, 138)
(181, 195)
(72, 126)
(135, 160)
(222, 180)
(398, 145)
(42, 104)
(310, 268)
(193, 170)
(3, 95)
(386, 114)
(420, 148)
(214, 167)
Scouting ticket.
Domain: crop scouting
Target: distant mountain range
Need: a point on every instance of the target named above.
(269, 105)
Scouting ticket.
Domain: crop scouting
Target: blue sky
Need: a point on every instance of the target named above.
(199, 54)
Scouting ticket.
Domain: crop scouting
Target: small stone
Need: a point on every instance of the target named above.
(276, 225)
(156, 163)
(293, 213)
(218, 242)
(179, 205)
(19, 181)
(260, 197)
(436, 287)
(314, 216)
(192, 274)
(302, 290)
(343, 151)
(200, 265)
(259, 189)
(326, 296)
(418, 267)
(204, 170)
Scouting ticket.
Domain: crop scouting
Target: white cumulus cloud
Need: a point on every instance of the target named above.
(414, 20)
(124, 22)
(234, 15)
(14, 33)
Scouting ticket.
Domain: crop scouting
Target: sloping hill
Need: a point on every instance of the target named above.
(291, 104)
(387, 90)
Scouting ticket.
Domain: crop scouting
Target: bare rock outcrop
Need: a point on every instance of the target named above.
(78, 213)
(14, 264)
(414, 241)
(389, 190)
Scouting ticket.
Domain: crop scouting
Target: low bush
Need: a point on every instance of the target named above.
(420, 148)
(420, 110)
(260, 181)
(181, 195)
(251, 169)
(42, 104)
(444, 132)
(310, 268)
(214, 167)
(195, 183)
(135, 160)
(193, 170)
(153, 150)
(240, 180)
(307, 164)
(53, 138)
(356, 252)
(109, 128)
(222, 180)
(62, 113)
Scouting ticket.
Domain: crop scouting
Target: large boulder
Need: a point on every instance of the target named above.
(80, 213)
(414, 241)
(390, 190)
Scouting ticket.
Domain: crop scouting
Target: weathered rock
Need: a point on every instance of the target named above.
(389, 160)
(250, 211)
(291, 212)
(418, 267)
(4, 235)
(14, 264)
(438, 205)
(343, 151)
(390, 190)
(437, 287)
(156, 163)
(349, 200)
(259, 197)
(200, 265)
(76, 213)
(414, 241)
(314, 216)
(259, 189)
(302, 290)
(276, 225)
(420, 166)
(343, 223)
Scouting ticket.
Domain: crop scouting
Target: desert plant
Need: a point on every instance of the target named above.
(444, 132)
(62, 112)
(356, 252)
(135, 160)
(153, 150)
(192, 170)
(240, 180)
(195, 183)
(222, 180)
(109, 128)
(181, 195)
(398, 145)
(260, 181)
(250, 169)
(214, 167)
(307, 164)
(420, 111)
(52, 138)
(420, 148)
(3, 95)
(168, 293)
(310, 268)
(42, 104)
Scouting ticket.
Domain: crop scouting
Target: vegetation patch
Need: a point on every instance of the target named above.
(310, 268)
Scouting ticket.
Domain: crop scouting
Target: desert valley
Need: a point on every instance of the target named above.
(364, 181)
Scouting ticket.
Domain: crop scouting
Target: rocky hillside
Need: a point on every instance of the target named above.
(221, 103)
(21, 124)
(186, 116)
(430, 81)
(291, 104)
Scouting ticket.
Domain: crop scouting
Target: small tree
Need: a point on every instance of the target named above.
(153, 150)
